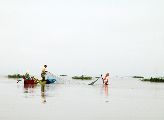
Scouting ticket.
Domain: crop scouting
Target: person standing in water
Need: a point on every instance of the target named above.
(106, 79)
(43, 73)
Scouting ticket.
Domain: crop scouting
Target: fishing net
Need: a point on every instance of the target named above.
(69, 80)
(52, 77)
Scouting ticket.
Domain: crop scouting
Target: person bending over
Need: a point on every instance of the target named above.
(106, 79)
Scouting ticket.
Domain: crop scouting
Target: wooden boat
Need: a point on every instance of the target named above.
(32, 81)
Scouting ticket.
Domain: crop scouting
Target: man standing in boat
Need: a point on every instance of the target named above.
(44, 71)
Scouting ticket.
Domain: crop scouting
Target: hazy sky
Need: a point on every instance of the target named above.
(123, 37)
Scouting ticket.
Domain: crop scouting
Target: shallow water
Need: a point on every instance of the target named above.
(124, 99)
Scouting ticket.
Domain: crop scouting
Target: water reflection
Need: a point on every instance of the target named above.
(106, 90)
(29, 88)
(106, 93)
(45, 91)
(43, 96)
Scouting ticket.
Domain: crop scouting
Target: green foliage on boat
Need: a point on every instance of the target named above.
(138, 77)
(82, 77)
(15, 76)
(154, 79)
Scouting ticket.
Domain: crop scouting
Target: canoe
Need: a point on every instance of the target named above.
(50, 81)
(31, 81)
(26, 86)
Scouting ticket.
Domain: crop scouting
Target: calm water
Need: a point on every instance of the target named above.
(124, 99)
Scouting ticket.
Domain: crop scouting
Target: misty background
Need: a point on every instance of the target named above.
(122, 37)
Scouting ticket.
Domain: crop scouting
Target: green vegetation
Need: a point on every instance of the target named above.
(15, 76)
(154, 79)
(63, 75)
(82, 77)
(138, 77)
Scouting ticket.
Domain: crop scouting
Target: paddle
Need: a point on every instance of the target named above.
(94, 81)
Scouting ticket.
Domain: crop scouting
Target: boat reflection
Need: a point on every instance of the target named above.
(29, 89)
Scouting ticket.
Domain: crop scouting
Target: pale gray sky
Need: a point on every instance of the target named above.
(123, 37)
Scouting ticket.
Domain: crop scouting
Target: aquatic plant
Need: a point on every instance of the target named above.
(138, 77)
(154, 79)
(82, 77)
(15, 76)
(63, 75)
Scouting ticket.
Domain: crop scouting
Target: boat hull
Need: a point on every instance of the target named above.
(30, 82)
(48, 81)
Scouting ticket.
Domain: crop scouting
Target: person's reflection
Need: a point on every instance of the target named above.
(43, 92)
(106, 93)
(106, 90)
